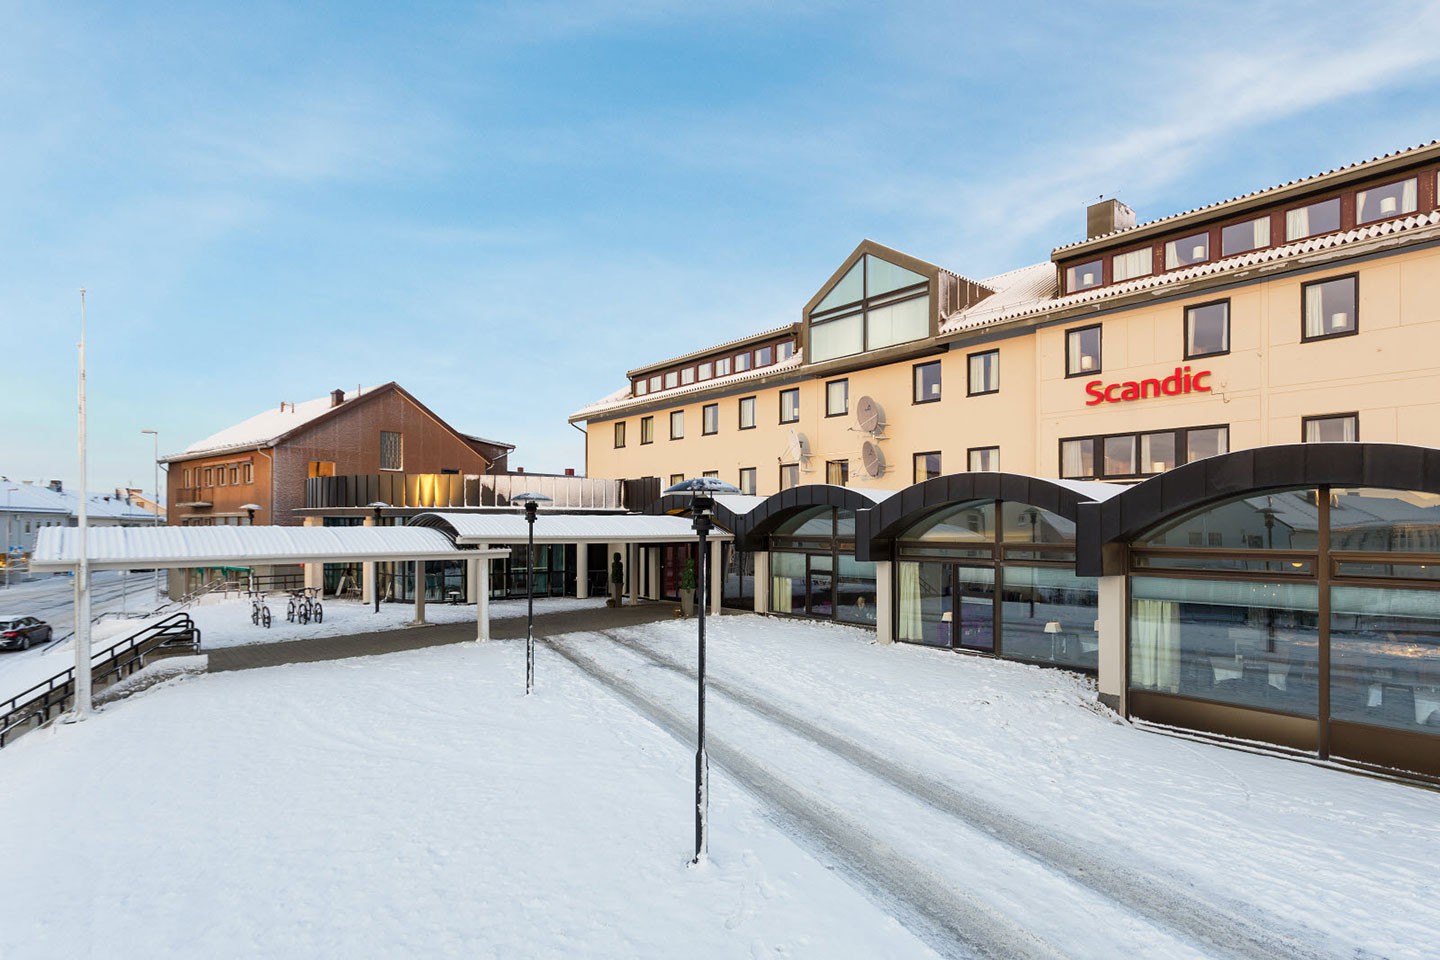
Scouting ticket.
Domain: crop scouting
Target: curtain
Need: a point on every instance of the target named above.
(1297, 223)
(780, 594)
(1077, 456)
(1155, 645)
(1314, 311)
(912, 626)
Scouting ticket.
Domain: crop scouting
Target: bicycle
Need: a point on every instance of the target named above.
(305, 606)
(259, 611)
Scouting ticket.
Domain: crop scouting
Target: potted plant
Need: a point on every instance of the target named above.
(617, 581)
(687, 587)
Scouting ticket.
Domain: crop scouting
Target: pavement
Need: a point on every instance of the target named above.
(319, 649)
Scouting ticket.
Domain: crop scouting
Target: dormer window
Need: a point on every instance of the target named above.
(722, 367)
(1191, 250)
(655, 383)
(1382, 203)
(742, 362)
(1128, 266)
(687, 376)
(1084, 276)
(876, 304)
(1313, 220)
(707, 370)
(672, 380)
(641, 388)
(1244, 237)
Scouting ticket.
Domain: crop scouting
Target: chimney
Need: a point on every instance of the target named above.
(56, 486)
(569, 471)
(337, 397)
(1107, 216)
(519, 469)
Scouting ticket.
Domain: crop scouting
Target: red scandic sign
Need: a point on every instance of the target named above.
(1180, 382)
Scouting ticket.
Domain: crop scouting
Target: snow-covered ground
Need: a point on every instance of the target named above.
(867, 801)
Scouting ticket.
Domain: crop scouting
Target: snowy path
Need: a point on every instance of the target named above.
(1145, 911)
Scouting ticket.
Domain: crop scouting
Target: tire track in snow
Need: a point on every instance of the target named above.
(1220, 928)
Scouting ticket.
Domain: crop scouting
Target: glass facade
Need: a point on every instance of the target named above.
(813, 570)
(875, 304)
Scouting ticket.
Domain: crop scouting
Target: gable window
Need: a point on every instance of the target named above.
(620, 434)
(875, 304)
(927, 466)
(1084, 276)
(1191, 250)
(710, 419)
(789, 475)
(677, 424)
(1244, 237)
(837, 398)
(984, 459)
(747, 413)
(837, 472)
(790, 405)
(1331, 307)
(1128, 266)
(1207, 330)
(1333, 428)
(1382, 203)
(647, 430)
(1082, 351)
(392, 453)
(747, 480)
(1313, 220)
(927, 382)
(984, 373)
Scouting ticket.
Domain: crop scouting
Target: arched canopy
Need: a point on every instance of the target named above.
(728, 509)
(894, 516)
(1142, 507)
(754, 527)
(512, 528)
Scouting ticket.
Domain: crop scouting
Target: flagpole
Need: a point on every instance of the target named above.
(82, 588)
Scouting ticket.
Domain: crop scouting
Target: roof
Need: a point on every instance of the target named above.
(717, 348)
(123, 548)
(264, 429)
(32, 498)
(624, 396)
(474, 528)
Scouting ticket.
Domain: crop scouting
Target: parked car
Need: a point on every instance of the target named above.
(18, 633)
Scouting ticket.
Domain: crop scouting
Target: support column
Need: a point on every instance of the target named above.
(1111, 626)
(884, 601)
(762, 581)
(717, 577)
(419, 591)
(654, 568)
(582, 571)
(632, 571)
(482, 599)
(367, 573)
(314, 572)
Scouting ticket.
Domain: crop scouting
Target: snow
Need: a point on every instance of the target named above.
(271, 424)
(419, 802)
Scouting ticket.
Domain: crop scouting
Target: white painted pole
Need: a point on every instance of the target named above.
(82, 574)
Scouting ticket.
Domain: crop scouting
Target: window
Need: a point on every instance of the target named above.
(764, 356)
(984, 459)
(984, 373)
(1084, 276)
(234, 476)
(837, 398)
(710, 419)
(647, 430)
(1382, 203)
(209, 477)
(1333, 428)
(677, 424)
(1331, 307)
(1206, 442)
(927, 382)
(322, 468)
(676, 478)
(785, 351)
(747, 413)
(391, 451)
(789, 475)
(837, 472)
(875, 304)
(927, 466)
(707, 370)
(620, 434)
(1244, 237)
(1128, 455)
(722, 367)
(1157, 452)
(1119, 456)
(747, 480)
(712, 474)
(790, 405)
(742, 362)
(655, 383)
(186, 474)
(1317, 218)
(641, 388)
(687, 376)
(672, 380)
(1077, 459)
(247, 473)
(1207, 330)
(1128, 266)
(1190, 250)
(1082, 351)
(220, 476)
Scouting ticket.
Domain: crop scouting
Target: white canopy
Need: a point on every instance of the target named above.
(478, 528)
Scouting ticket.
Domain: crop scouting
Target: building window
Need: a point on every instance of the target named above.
(248, 473)
(209, 477)
(710, 419)
(837, 398)
(647, 430)
(1382, 203)
(1077, 459)
(1190, 250)
(747, 480)
(1206, 442)
(1131, 455)
(392, 452)
(1313, 220)
(672, 380)
(984, 459)
(1331, 307)
(1244, 237)
(1118, 455)
(677, 424)
(1332, 428)
(785, 351)
(927, 466)
(234, 476)
(707, 370)
(641, 388)
(747, 413)
(1207, 330)
(655, 383)
(220, 476)
(764, 356)
(1082, 351)
(687, 376)
(1084, 276)
(712, 474)
(1128, 266)
(186, 474)
(722, 367)
(984, 373)
(837, 472)
(790, 405)
(620, 434)
(676, 478)
(927, 382)
(742, 362)
(875, 304)
(789, 475)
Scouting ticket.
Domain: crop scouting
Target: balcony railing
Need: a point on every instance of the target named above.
(193, 497)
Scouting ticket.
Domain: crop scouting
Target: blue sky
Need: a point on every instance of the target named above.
(506, 206)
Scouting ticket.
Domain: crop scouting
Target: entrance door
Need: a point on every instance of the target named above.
(975, 608)
(820, 586)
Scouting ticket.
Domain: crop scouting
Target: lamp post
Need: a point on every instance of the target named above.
(377, 506)
(155, 434)
(701, 491)
(9, 519)
(532, 503)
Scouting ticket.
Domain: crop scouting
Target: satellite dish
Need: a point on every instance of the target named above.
(869, 414)
(798, 448)
(873, 459)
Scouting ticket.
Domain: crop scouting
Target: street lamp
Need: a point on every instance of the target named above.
(701, 492)
(250, 509)
(9, 520)
(377, 506)
(155, 434)
(532, 503)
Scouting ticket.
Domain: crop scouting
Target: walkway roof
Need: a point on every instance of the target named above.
(478, 528)
(130, 548)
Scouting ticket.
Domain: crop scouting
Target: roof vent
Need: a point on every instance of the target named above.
(1107, 216)
(56, 485)
(337, 397)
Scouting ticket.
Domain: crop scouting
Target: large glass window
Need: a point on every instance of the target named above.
(984, 372)
(1385, 656)
(875, 304)
(1082, 351)
(1331, 307)
(897, 323)
(1244, 237)
(1313, 220)
(1188, 251)
(927, 382)
(1158, 451)
(840, 337)
(1382, 203)
(1084, 276)
(1207, 330)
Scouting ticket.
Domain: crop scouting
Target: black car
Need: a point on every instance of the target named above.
(18, 633)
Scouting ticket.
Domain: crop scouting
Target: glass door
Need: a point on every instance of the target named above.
(820, 586)
(975, 608)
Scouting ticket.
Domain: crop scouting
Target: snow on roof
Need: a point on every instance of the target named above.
(120, 548)
(1091, 489)
(265, 428)
(1018, 289)
(32, 498)
(624, 396)
(565, 528)
(717, 348)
